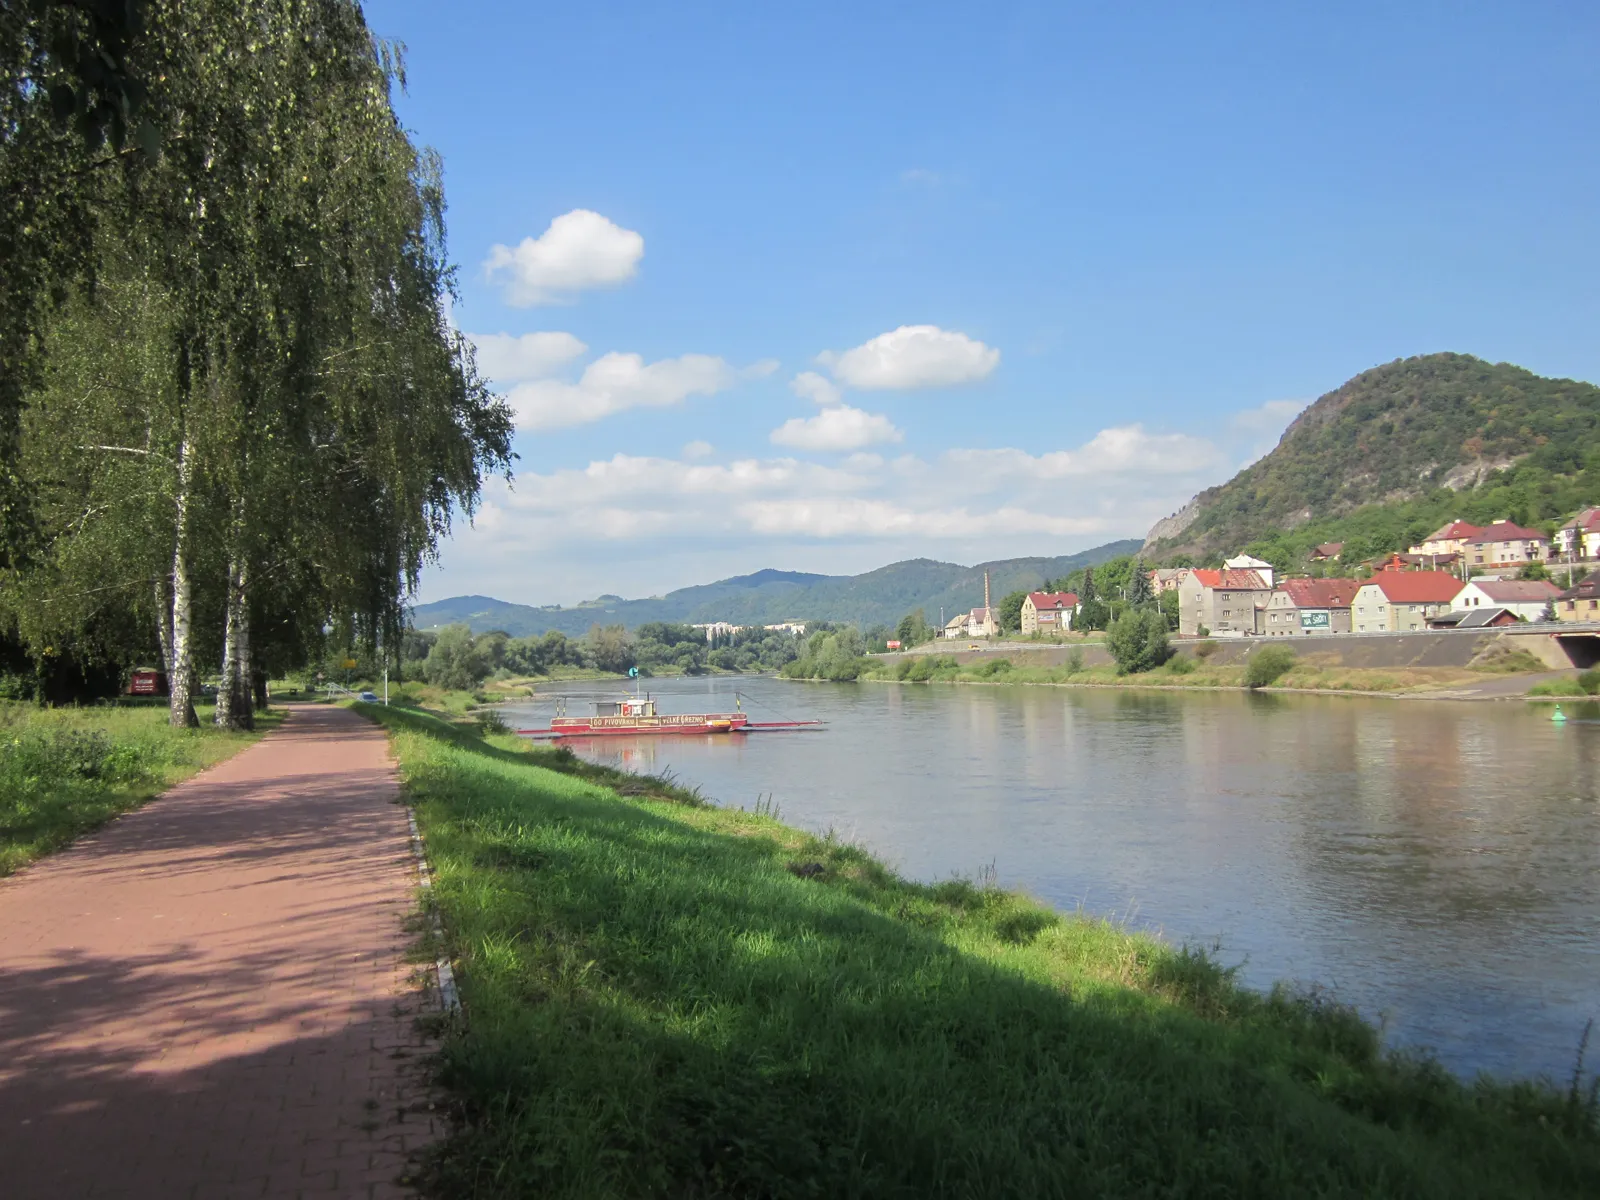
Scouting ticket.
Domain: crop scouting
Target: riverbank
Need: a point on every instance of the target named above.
(668, 997)
(64, 771)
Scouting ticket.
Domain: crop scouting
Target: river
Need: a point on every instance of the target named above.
(1432, 863)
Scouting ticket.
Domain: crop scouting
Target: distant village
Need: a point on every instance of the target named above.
(1462, 576)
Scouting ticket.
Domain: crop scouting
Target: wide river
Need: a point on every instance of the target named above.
(1435, 864)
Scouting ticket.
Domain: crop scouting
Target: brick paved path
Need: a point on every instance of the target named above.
(208, 997)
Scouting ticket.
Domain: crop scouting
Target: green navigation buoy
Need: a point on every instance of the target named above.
(1558, 716)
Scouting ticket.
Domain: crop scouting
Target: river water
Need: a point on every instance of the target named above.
(1435, 864)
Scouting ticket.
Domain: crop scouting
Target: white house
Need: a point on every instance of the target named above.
(1398, 601)
(1525, 597)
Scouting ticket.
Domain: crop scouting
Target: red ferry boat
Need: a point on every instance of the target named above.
(634, 715)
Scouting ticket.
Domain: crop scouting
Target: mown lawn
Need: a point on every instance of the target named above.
(64, 771)
(664, 998)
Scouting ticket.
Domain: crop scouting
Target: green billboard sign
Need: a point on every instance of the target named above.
(1315, 619)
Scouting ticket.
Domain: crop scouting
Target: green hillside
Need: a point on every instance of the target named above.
(882, 596)
(1436, 436)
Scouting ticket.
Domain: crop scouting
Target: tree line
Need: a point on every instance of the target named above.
(455, 657)
(235, 420)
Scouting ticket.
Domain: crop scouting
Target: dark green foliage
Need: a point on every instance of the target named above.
(914, 629)
(1137, 640)
(1267, 665)
(1140, 590)
(1400, 430)
(1010, 615)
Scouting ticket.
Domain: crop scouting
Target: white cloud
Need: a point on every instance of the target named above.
(507, 358)
(616, 382)
(808, 385)
(838, 428)
(913, 356)
(580, 250)
(1124, 449)
(642, 525)
(698, 449)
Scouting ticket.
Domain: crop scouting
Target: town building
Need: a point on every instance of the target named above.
(1580, 603)
(1400, 601)
(1167, 579)
(798, 628)
(1226, 602)
(1327, 551)
(1526, 598)
(717, 629)
(1452, 539)
(1309, 606)
(1505, 544)
(1048, 612)
(1580, 537)
(1243, 562)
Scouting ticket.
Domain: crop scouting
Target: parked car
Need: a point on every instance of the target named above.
(369, 697)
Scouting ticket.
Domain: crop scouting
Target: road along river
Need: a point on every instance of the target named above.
(1435, 864)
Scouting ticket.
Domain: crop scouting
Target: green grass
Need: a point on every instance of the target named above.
(64, 771)
(665, 998)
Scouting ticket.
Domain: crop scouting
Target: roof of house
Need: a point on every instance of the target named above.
(1166, 573)
(1480, 617)
(1505, 531)
(1587, 518)
(1588, 588)
(1453, 531)
(1319, 593)
(1053, 601)
(1328, 550)
(1432, 560)
(1231, 579)
(1517, 591)
(1417, 587)
(1245, 562)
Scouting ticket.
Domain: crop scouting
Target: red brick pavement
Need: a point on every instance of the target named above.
(209, 997)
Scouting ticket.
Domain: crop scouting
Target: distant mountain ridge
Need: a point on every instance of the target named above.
(1392, 433)
(768, 596)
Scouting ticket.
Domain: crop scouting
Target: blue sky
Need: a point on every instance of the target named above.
(1121, 245)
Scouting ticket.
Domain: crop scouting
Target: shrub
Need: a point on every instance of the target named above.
(1179, 665)
(1137, 640)
(1204, 650)
(1589, 681)
(1267, 664)
(1075, 661)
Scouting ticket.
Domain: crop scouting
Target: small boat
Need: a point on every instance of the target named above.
(634, 715)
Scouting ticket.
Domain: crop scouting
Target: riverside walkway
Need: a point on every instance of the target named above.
(209, 997)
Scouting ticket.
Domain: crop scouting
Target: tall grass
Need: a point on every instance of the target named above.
(666, 998)
(64, 771)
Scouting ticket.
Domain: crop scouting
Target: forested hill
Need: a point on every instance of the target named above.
(767, 597)
(1398, 432)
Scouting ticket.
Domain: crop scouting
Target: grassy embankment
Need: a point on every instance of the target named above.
(64, 771)
(667, 998)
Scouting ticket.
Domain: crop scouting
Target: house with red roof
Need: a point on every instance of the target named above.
(1525, 598)
(1506, 544)
(1452, 539)
(1300, 607)
(1048, 612)
(1228, 602)
(1400, 601)
(1580, 537)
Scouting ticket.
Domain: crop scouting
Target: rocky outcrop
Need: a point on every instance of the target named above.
(1171, 527)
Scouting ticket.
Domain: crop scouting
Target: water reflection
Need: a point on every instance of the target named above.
(1432, 862)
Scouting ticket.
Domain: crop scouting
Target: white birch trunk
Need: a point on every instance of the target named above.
(181, 678)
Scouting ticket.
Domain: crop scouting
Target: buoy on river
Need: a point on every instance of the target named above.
(1558, 716)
